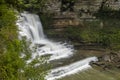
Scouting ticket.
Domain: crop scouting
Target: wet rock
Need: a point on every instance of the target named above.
(40, 45)
(118, 66)
(108, 61)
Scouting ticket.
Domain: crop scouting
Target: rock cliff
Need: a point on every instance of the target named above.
(83, 10)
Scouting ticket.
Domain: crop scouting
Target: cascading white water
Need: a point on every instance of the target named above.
(31, 27)
(70, 69)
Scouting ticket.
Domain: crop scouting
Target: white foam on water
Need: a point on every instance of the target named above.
(70, 69)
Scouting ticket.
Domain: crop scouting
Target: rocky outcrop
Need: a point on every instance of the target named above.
(54, 6)
(83, 10)
(65, 19)
(108, 61)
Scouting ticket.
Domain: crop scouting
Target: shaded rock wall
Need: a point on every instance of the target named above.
(83, 10)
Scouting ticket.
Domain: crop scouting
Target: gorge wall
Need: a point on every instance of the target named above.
(83, 10)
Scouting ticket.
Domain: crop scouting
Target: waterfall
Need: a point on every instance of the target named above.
(30, 26)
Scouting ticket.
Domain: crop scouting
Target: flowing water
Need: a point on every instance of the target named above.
(30, 26)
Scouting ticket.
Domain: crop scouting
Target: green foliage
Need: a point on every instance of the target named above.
(12, 65)
(108, 36)
(6, 20)
(31, 5)
(108, 13)
(26, 5)
(36, 72)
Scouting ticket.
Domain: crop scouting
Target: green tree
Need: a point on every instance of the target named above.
(12, 66)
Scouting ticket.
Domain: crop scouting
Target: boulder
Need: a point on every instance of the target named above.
(108, 61)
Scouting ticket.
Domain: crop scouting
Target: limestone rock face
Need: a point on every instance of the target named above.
(53, 6)
(83, 10)
(66, 19)
(84, 6)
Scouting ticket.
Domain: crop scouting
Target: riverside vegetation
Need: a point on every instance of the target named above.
(12, 66)
(92, 32)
